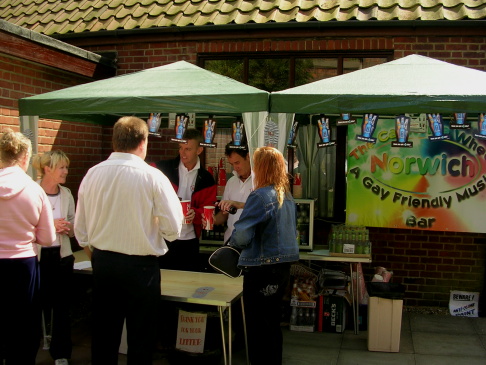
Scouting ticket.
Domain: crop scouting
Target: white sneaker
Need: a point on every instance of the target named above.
(61, 362)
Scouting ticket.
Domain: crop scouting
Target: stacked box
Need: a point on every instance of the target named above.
(332, 314)
(384, 324)
(303, 316)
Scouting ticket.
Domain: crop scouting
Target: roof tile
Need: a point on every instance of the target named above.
(63, 16)
(123, 12)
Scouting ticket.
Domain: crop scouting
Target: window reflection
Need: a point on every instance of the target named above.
(314, 69)
(269, 74)
(232, 68)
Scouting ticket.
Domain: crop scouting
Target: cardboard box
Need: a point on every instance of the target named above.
(384, 324)
(303, 316)
(332, 314)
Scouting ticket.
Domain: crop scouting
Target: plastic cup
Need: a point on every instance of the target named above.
(186, 206)
(208, 215)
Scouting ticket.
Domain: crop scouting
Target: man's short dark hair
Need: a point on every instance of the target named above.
(243, 152)
(193, 133)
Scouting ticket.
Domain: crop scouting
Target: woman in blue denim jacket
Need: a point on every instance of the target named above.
(266, 232)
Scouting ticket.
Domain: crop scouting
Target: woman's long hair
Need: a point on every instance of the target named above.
(269, 168)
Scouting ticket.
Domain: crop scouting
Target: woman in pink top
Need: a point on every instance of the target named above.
(25, 219)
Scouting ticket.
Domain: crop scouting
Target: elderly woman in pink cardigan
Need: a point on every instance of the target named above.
(25, 219)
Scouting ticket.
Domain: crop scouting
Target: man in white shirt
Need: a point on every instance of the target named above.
(236, 190)
(126, 211)
(193, 182)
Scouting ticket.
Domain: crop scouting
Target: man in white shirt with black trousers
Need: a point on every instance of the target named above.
(126, 212)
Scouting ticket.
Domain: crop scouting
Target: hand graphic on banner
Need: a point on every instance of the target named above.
(435, 121)
(482, 124)
(237, 133)
(369, 124)
(209, 130)
(324, 133)
(402, 128)
(180, 126)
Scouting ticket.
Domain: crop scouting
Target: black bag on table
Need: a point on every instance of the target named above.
(225, 260)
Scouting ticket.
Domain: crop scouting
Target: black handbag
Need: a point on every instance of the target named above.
(225, 260)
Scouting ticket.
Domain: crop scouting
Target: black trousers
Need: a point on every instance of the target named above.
(20, 322)
(182, 255)
(124, 287)
(56, 277)
(263, 290)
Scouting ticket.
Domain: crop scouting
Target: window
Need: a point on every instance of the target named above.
(323, 170)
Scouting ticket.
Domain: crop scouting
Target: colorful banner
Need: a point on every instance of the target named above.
(434, 184)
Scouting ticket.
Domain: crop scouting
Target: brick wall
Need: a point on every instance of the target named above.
(429, 264)
(462, 51)
(81, 141)
(465, 51)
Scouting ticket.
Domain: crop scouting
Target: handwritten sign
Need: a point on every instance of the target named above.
(464, 304)
(191, 331)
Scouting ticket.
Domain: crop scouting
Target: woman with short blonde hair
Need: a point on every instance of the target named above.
(56, 262)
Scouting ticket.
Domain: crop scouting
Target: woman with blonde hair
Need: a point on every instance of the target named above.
(267, 234)
(56, 262)
(25, 219)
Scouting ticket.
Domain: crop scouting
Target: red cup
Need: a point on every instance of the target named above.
(186, 206)
(208, 215)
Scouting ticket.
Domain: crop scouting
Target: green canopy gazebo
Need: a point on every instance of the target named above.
(412, 84)
(177, 87)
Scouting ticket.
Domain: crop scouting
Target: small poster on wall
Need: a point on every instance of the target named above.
(346, 118)
(238, 136)
(324, 130)
(180, 127)
(154, 122)
(292, 134)
(209, 133)
(437, 127)
(459, 121)
(481, 133)
(402, 130)
(368, 127)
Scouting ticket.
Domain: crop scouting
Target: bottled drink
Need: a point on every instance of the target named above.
(332, 242)
(359, 244)
(339, 243)
(307, 317)
(293, 316)
(300, 317)
(232, 209)
(367, 244)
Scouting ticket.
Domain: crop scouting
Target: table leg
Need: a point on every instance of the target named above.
(230, 354)
(354, 298)
(222, 334)
(358, 292)
(244, 331)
